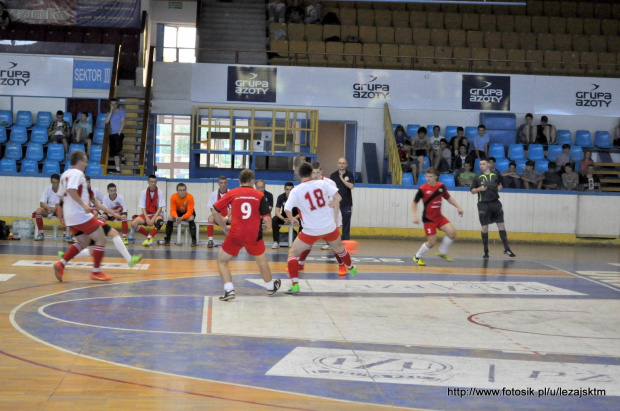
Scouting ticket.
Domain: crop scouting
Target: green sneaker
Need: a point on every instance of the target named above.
(444, 256)
(353, 271)
(134, 260)
(419, 261)
(60, 255)
(147, 242)
(293, 290)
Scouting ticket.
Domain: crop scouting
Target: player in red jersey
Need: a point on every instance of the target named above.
(431, 194)
(250, 217)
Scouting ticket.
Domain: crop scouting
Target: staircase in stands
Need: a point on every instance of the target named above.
(131, 99)
(609, 174)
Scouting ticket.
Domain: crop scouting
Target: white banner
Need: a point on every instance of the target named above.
(36, 76)
(585, 96)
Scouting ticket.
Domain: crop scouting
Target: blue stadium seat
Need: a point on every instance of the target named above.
(499, 121)
(553, 151)
(24, 118)
(583, 138)
(412, 129)
(563, 137)
(74, 147)
(68, 117)
(471, 132)
(2, 134)
(516, 152)
(394, 127)
(94, 169)
(34, 152)
(477, 166)
(426, 164)
(19, 135)
(56, 152)
(542, 166)
(95, 154)
(450, 132)
(535, 152)
(51, 167)
(39, 135)
(576, 153)
(6, 118)
(98, 136)
(101, 120)
(421, 179)
(407, 179)
(520, 165)
(602, 139)
(29, 166)
(44, 118)
(496, 150)
(447, 179)
(502, 164)
(13, 151)
(8, 166)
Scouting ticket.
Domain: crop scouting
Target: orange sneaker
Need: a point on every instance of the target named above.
(100, 277)
(59, 270)
(342, 270)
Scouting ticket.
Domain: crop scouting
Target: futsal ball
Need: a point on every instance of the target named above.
(351, 246)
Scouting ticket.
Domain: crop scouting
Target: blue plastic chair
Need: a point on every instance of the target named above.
(44, 118)
(412, 129)
(516, 152)
(29, 166)
(2, 134)
(583, 138)
(68, 117)
(13, 151)
(56, 152)
(75, 147)
(535, 152)
(6, 118)
(496, 150)
(39, 135)
(471, 132)
(602, 139)
(19, 135)
(24, 118)
(101, 120)
(95, 154)
(8, 166)
(450, 132)
(51, 167)
(421, 179)
(542, 166)
(502, 164)
(34, 152)
(447, 179)
(98, 136)
(521, 165)
(563, 137)
(553, 151)
(477, 166)
(94, 169)
(576, 153)
(426, 163)
(407, 179)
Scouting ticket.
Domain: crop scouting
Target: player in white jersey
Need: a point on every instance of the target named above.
(116, 202)
(47, 205)
(319, 216)
(73, 191)
(215, 196)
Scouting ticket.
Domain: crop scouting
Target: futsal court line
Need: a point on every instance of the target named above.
(207, 315)
(585, 278)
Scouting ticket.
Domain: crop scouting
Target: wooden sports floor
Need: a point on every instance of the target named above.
(509, 333)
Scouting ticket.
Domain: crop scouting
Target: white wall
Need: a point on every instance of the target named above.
(160, 13)
(36, 104)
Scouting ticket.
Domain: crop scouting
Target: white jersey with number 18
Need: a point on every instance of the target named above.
(312, 198)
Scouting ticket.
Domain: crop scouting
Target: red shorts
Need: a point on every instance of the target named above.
(232, 246)
(87, 228)
(430, 228)
(311, 239)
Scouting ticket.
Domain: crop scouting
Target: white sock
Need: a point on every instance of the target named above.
(422, 250)
(118, 243)
(269, 285)
(84, 253)
(228, 287)
(118, 169)
(445, 244)
(210, 238)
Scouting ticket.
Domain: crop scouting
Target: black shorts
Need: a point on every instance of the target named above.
(490, 212)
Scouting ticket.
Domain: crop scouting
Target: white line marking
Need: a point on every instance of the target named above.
(6, 277)
(205, 316)
(581, 276)
(105, 266)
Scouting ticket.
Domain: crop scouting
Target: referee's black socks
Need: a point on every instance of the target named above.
(485, 241)
(504, 237)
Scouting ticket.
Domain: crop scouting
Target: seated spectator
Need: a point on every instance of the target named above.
(570, 179)
(564, 157)
(5, 17)
(459, 161)
(526, 134)
(531, 178)
(435, 141)
(407, 161)
(81, 132)
(59, 130)
(481, 143)
(587, 160)
(590, 181)
(466, 176)
(401, 136)
(421, 145)
(313, 13)
(545, 132)
(295, 13)
(277, 12)
(510, 177)
(457, 141)
(444, 159)
(552, 180)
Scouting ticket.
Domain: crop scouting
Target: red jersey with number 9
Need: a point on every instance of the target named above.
(249, 206)
(312, 199)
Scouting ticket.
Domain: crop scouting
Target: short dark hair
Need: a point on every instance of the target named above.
(432, 170)
(459, 128)
(407, 142)
(399, 127)
(482, 126)
(572, 167)
(492, 159)
(60, 113)
(54, 176)
(114, 99)
(76, 157)
(422, 130)
(565, 146)
(529, 115)
(530, 163)
(551, 165)
(436, 126)
(289, 184)
(512, 163)
(316, 165)
(87, 177)
(544, 118)
(111, 185)
(463, 145)
(181, 185)
(220, 178)
(245, 176)
(153, 176)
(305, 170)
(443, 140)
(259, 181)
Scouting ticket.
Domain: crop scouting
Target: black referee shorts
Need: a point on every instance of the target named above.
(490, 212)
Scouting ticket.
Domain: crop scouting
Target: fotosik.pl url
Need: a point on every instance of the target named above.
(525, 392)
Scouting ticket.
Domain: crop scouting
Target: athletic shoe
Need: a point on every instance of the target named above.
(228, 295)
(486, 255)
(275, 245)
(148, 242)
(509, 253)
(61, 255)
(194, 243)
(418, 261)
(276, 287)
(342, 270)
(100, 277)
(125, 241)
(326, 247)
(134, 260)
(59, 270)
(353, 271)
(40, 237)
(72, 240)
(210, 244)
(293, 290)
(66, 237)
(444, 256)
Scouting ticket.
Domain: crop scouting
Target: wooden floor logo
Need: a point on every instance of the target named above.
(104, 266)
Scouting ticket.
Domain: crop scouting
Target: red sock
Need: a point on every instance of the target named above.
(39, 221)
(154, 231)
(338, 259)
(345, 258)
(124, 226)
(302, 257)
(72, 252)
(143, 231)
(97, 252)
(293, 268)
(209, 230)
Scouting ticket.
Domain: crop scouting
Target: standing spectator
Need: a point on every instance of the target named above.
(401, 136)
(81, 132)
(47, 205)
(295, 13)
(5, 17)
(531, 178)
(457, 141)
(116, 120)
(407, 163)
(313, 12)
(564, 157)
(280, 217)
(552, 180)
(526, 134)
(545, 132)
(510, 177)
(216, 195)
(444, 160)
(587, 160)
(481, 143)
(345, 180)
(260, 186)
(59, 130)
(421, 145)
(181, 209)
(570, 179)
(277, 12)
(460, 160)
(590, 181)
(435, 143)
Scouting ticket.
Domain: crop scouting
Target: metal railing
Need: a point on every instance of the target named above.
(391, 150)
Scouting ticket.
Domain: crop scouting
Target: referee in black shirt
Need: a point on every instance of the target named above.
(487, 185)
(345, 181)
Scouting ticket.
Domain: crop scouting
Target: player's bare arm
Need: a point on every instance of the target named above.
(220, 220)
(99, 205)
(414, 210)
(452, 201)
(266, 223)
